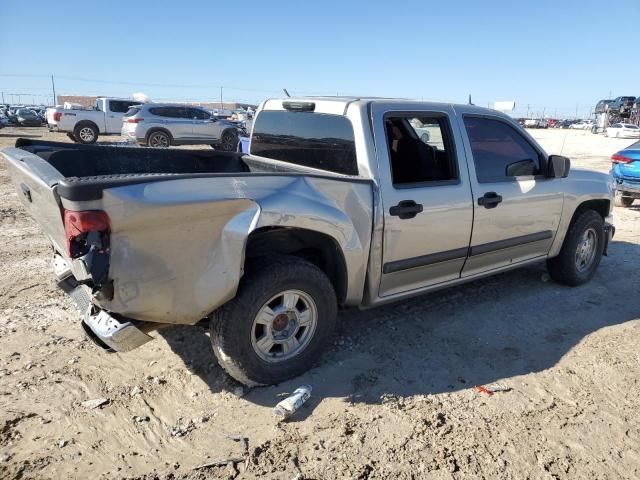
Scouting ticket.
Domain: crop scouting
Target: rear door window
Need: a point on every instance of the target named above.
(500, 152)
(316, 140)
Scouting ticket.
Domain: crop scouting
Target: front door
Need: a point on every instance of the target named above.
(203, 125)
(516, 208)
(427, 205)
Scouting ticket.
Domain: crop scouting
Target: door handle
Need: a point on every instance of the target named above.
(405, 209)
(490, 200)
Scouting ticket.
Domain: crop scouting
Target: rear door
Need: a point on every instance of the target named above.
(177, 120)
(426, 197)
(516, 209)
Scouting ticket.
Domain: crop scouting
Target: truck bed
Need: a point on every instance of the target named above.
(82, 171)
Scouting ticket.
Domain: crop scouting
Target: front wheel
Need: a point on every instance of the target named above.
(229, 141)
(581, 251)
(278, 323)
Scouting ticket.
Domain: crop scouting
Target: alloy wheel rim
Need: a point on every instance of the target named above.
(284, 326)
(86, 134)
(159, 140)
(586, 251)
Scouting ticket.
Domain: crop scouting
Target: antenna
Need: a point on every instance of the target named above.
(285, 92)
(470, 102)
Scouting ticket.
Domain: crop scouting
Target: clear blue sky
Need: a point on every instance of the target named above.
(554, 54)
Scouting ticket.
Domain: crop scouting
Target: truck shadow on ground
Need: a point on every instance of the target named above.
(483, 332)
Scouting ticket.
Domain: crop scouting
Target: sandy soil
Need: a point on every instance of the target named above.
(394, 396)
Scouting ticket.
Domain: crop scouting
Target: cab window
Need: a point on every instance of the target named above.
(420, 149)
(499, 151)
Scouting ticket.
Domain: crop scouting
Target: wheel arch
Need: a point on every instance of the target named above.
(318, 248)
(90, 123)
(600, 205)
(153, 130)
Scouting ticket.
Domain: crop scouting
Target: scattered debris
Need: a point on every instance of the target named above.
(482, 389)
(491, 389)
(62, 443)
(289, 406)
(137, 390)
(220, 462)
(182, 430)
(140, 418)
(95, 403)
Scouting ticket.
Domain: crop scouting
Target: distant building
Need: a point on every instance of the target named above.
(89, 101)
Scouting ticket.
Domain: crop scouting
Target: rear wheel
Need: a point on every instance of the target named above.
(278, 323)
(159, 140)
(621, 201)
(85, 133)
(581, 251)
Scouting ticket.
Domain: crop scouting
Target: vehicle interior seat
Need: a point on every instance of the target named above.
(412, 160)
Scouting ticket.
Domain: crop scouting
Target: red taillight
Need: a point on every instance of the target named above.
(617, 158)
(78, 224)
(57, 116)
(135, 120)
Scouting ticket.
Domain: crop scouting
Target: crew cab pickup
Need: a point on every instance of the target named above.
(85, 125)
(340, 202)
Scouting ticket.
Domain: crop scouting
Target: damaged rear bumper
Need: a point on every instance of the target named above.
(109, 331)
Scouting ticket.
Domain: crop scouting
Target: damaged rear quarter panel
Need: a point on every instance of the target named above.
(177, 246)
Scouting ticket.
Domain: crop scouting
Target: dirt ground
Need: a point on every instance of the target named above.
(393, 397)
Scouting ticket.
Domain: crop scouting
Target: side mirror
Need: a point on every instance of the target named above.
(558, 166)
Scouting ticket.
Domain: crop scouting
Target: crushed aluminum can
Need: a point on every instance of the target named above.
(290, 405)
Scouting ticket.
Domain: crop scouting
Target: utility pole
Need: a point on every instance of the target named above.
(577, 111)
(527, 110)
(3, 97)
(53, 87)
(221, 106)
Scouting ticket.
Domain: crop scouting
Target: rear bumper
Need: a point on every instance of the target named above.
(108, 331)
(633, 189)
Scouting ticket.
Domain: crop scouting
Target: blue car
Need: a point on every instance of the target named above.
(626, 174)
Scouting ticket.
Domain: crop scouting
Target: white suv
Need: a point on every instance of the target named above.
(161, 125)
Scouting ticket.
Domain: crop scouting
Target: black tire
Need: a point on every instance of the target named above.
(158, 139)
(563, 268)
(85, 133)
(621, 201)
(233, 329)
(228, 141)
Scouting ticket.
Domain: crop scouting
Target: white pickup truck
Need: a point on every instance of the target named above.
(84, 126)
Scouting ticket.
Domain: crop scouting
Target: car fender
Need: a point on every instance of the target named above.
(579, 187)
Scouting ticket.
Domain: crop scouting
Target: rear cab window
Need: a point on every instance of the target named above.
(316, 140)
(121, 106)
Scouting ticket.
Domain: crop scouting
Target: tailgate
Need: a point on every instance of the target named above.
(35, 183)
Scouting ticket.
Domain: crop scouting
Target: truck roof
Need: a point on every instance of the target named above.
(338, 105)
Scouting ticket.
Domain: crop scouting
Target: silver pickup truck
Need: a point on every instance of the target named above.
(340, 202)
